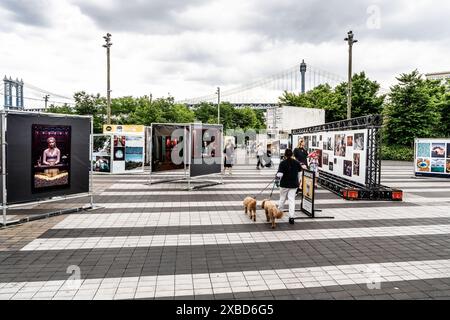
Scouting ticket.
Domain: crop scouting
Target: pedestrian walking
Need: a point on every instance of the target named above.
(288, 173)
(229, 152)
(259, 156)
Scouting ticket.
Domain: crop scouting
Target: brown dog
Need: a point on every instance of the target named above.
(275, 213)
(266, 204)
(250, 207)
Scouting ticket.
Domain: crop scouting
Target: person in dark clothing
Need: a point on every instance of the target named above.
(300, 153)
(288, 173)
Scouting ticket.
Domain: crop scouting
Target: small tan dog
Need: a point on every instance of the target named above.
(272, 212)
(250, 207)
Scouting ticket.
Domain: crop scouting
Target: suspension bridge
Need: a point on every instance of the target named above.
(265, 92)
(262, 93)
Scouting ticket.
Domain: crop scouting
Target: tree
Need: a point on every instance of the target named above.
(88, 104)
(245, 118)
(412, 111)
(178, 113)
(64, 109)
(146, 112)
(365, 96)
(205, 111)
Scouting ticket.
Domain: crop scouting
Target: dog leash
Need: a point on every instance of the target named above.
(266, 188)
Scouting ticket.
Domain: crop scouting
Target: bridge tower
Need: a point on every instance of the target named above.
(303, 72)
(8, 87)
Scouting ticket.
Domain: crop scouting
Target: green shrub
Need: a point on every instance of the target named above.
(398, 153)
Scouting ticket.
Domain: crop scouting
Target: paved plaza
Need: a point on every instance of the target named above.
(160, 242)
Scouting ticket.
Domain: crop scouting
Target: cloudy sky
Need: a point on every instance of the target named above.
(188, 48)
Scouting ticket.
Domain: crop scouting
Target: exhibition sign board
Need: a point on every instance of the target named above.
(47, 156)
(113, 128)
(307, 204)
(341, 153)
(432, 157)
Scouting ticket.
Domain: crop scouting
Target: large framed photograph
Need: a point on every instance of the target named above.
(50, 157)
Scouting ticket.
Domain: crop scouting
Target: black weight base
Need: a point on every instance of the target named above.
(353, 191)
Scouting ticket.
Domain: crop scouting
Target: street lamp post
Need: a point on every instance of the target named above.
(350, 41)
(218, 105)
(108, 89)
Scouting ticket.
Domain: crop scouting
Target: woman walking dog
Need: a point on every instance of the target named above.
(288, 172)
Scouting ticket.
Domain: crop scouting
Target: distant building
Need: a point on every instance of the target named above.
(281, 120)
(438, 75)
(286, 118)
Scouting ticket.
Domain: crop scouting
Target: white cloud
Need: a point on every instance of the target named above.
(190, 48)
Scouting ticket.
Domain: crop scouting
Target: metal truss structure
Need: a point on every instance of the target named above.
(372, 189)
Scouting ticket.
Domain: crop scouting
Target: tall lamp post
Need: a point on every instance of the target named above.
(218, 105)
(108, 89)
(350, 41)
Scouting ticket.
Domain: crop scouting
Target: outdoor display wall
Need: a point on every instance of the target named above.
(166, 139)
(46, 156)
(341, 153)
(196, 148)
(432, 157)
(206, 149)
(118, 153)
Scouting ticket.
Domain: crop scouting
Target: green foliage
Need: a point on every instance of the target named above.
(413, 110)
(230, 117)
(365, 98)
(398, 153)
(64, 109)
(88, 104)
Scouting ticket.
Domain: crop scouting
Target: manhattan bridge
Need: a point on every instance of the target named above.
(262, 93)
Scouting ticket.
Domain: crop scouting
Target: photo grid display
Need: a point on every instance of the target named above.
(432, 156)
(342, 153)
(128, 153)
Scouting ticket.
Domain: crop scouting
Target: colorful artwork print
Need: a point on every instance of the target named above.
(319, 157)
(348, 168)
(339, 145)
(119, 154)
(447, 169)
(349, 141)
(51, 157)
(102, 145)
(437, 165)
(448, 150)
(102, 164)
(119, 141)
(134, 141)
(423, 150)
(358, 141)
(423, 165)
(438, 150)
(133, 158)
(356, 163)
